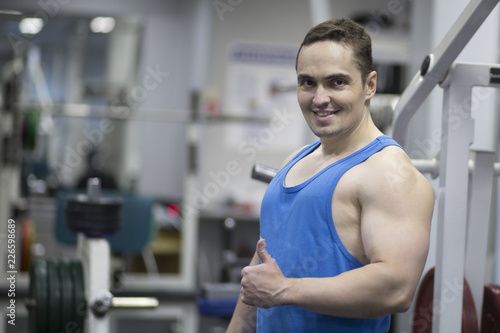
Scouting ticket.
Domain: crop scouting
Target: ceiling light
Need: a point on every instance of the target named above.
(102, 24)
(9, 12)
(31, 25)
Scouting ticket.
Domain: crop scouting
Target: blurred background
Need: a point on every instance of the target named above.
(172, 103)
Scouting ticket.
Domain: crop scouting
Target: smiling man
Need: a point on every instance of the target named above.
(345, 223)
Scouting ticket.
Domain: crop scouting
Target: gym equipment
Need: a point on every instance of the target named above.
(56, 299)
(136, 221)
(73, 295)
(93, 215)
(263, 173)
(464, 195)
(463, 203)
(27, 240)
(435, 66)
(425, 306)
(490, 322)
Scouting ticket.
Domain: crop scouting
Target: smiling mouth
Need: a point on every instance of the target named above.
(324, 113)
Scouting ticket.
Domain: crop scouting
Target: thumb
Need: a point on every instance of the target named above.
(264, 256)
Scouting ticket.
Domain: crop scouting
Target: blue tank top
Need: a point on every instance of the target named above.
(300, 235)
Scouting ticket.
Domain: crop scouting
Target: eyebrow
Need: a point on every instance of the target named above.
(335, 76)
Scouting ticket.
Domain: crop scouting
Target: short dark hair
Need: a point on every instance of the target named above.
(348, 33)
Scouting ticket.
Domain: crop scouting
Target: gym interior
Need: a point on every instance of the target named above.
(147, 118)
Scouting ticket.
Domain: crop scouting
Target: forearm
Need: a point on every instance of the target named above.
(368, 292)
(245, 316)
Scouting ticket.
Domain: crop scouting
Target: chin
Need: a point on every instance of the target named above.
(325, 133)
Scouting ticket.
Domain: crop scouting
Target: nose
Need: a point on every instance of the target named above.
(320, 97)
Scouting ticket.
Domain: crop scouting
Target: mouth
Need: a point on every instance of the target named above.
(324, 114)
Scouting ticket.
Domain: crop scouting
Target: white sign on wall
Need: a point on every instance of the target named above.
(261, 84)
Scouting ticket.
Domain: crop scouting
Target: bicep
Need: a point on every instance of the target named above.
(395, 224)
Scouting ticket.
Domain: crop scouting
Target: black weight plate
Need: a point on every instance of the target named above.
(95, 209)
(79, 302)
(38, 313)
(102, 216)
(66, 295)
(102, 205)
(54, 296)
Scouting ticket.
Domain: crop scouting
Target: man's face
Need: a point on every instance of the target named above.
(330, 90)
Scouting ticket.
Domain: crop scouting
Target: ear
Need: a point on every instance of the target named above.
(371, 85)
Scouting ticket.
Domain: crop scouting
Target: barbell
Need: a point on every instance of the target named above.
(56, 299)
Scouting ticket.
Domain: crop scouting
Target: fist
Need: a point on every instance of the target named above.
(263, 285)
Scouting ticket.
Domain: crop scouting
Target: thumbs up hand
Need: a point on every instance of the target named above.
(263, 285)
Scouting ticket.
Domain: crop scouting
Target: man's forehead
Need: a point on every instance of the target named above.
(331, 45)
(327, 50)
(334, 55)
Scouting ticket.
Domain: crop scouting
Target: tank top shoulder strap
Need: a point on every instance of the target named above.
(301, 154)
(386, 140)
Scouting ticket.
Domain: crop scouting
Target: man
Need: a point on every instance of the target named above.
(345, 223)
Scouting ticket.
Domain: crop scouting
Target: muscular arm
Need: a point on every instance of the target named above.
(396, 210)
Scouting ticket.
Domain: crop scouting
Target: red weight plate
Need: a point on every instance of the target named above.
(490, 322)
(422, 319)
(470, 323)
(27, 239)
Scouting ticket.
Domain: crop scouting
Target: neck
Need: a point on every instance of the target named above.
(351, 141)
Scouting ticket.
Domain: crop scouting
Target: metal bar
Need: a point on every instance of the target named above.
(134, 302)
(478, 225)
(432, 166)
(427, 166)
(452, 211)
(263, 173)
(436, 65)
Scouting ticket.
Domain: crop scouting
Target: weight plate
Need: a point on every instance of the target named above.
(425, 303)
(102, 216)
(54, 295)
(490, 322)
(38, 311)
(27, 239)
(66, 304)
(79, 302)
(30, 129)
(470, 323)
(81, 203)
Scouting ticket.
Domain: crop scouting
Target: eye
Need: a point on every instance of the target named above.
(306, 83)
(338, 83)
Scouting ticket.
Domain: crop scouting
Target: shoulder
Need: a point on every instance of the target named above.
(292, 155)
(390, 174)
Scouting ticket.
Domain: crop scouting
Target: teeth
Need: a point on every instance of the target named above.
(322, 114)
